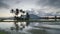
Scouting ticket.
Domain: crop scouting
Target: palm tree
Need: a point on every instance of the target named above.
(17, 12)
(12, 11)
(22, 11)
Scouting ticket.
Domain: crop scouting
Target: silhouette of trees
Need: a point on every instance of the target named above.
(55, 18)
(27, 16)
(17, 12)
(12, 11)
(22, 11)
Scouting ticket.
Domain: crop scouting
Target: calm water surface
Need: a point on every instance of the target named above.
(32, 28)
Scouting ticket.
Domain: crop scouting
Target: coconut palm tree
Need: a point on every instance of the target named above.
(22, 11)
(17, 12)
(12, 11)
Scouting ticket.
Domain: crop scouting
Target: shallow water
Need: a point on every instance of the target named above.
(32, 28)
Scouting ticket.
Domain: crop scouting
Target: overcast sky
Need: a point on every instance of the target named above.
(47, 6)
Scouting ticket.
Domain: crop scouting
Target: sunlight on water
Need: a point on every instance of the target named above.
(8, 20)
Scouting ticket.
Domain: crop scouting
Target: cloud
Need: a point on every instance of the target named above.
(50, 3)
(8, 3)
(2, 4)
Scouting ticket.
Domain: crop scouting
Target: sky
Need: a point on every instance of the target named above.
(38, 7)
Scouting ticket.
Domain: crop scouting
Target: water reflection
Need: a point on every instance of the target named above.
(20, 26)
(35, 27)
(30, 27)
(34, 31)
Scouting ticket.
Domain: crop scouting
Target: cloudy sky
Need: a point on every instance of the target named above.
(39, 6)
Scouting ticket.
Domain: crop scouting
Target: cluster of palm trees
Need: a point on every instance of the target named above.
(17, 11)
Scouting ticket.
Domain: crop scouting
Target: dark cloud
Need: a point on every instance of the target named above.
(51, 3)
(8, 3)
(2, 4)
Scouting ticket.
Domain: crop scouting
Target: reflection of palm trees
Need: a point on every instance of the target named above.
(27, 23)
(16, 26)
(21, 27)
